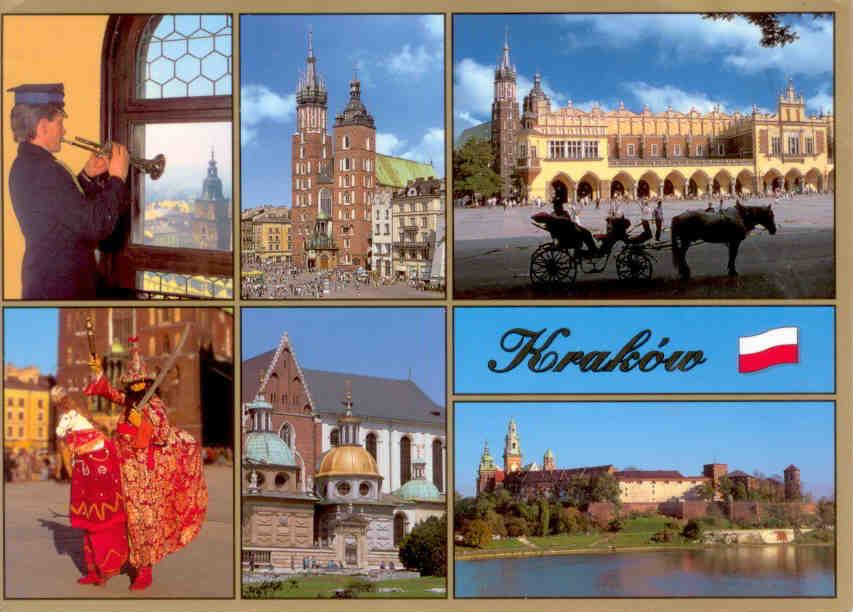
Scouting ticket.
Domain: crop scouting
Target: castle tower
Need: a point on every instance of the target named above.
(548, 462)
(486, 472)
(355, 180)
(505, 119)
(793, 492)
(512, 449)
(312, 157)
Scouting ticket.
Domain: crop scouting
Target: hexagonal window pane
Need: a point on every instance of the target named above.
(153, 90)
(187, 68)
(223, 45)
(201, 86)
(174, 89)
(165, 27)
(214, 66)
(161, 70)
(155, 50)
(222, 86)
(187, 24)
(200, 47)
(214, 23)
(174, 49)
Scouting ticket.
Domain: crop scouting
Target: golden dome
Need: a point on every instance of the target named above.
(348, 461)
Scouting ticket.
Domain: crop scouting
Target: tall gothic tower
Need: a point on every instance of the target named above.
(312, 156)
(211, 224)
(512, 449)
(505, 120)
(355, 180)
(486, 472)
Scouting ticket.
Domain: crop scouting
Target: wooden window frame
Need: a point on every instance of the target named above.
(121, 110)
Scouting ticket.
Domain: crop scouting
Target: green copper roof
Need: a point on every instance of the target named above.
(396, 171)
(266, 447)
(419, 489)
(548, 453)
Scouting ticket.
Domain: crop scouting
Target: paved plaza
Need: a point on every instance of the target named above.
(44, 555)
(327, 285)
(492, 252)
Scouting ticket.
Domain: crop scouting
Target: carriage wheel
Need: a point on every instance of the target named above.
(551, 266)
(633, 265)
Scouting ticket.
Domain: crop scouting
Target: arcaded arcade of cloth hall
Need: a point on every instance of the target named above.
(568, 154)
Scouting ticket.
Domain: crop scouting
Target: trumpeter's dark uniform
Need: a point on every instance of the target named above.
(63, 218)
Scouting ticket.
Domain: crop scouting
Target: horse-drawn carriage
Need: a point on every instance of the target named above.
(556, 263)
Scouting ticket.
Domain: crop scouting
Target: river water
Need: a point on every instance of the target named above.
(764, 571)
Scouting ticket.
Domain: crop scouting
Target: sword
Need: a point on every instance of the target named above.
(90, 335)
(169, 363)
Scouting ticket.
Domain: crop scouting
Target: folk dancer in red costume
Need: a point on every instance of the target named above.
(97, 503)
(161, 470)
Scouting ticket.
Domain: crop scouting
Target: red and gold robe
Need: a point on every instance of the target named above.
(162, 479)
(97, 504)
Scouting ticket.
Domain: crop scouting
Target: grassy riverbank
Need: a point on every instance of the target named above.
(636, 535)
(312, 587)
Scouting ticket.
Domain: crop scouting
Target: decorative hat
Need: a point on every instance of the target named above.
(35, 94)
(135, 370)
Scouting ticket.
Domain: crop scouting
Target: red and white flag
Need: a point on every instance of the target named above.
(775, 346)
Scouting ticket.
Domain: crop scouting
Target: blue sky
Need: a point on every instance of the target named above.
(748, 436)
(655, 59)
(400, 61)
(31, 337)
(714, 330)
(386, 342)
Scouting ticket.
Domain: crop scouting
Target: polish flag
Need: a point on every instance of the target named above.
(775, 346)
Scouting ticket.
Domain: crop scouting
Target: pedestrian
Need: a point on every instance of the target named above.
(658, 214)
(62, 216)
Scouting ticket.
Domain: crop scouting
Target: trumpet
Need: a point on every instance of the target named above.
(152, 167)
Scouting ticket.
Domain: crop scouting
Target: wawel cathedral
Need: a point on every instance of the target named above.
(638, 489)
(567, 153)
(337, 468)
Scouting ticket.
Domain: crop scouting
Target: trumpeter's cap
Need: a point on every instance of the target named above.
(44, 93)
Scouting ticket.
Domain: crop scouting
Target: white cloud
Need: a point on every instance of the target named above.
(659, 97)
(473, 90)
(690, 36)
(408, 62)
(434, 26)
(258, 104)
(388, 144)
(823, 100)
(468, 118)
(429, 149)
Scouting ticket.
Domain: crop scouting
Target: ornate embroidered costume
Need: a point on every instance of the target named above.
(161, 471)
(97, 504)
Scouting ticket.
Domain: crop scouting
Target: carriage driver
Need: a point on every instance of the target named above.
(585, 234)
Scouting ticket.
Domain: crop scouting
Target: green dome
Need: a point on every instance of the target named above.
(419, 489)
(266, 447)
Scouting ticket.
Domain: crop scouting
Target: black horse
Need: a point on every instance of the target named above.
(729, 226)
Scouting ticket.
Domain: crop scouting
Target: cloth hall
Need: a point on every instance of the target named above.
(569, 154)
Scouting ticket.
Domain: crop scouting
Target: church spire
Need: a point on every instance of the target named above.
(311, 88)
